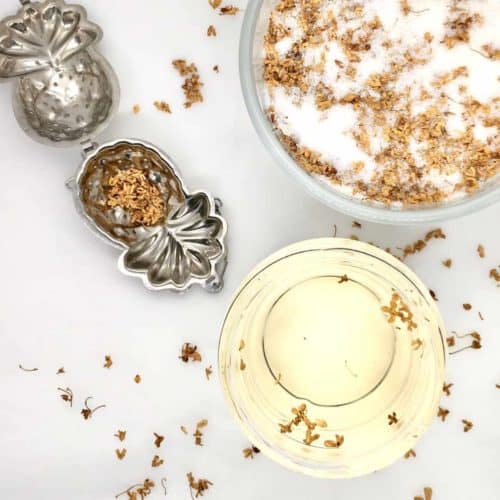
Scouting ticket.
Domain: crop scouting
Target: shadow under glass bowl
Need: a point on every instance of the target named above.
(252, 34)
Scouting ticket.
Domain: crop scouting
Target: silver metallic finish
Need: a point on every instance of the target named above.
(66, 91)
(184, 249)
(66, 94)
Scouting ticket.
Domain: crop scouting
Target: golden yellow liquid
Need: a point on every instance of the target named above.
(328, 342)
(298, 334)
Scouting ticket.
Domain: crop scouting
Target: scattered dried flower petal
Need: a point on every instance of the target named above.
(230, 10)
(199, 486)
(158, 439)
(67, 395)
(157, 461)
(121, 435)
(190, 352)
(410, 453)
(108, 362)
(443, 413)
(163, 106)
(446, 388)
(121, 453)
(468, 425)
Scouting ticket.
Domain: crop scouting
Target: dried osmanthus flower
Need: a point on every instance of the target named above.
(392, 418)
(121, 453)
(337, 443)
(467, 307)
(121, 435)
(242, 365)
(137, 379)
(480, 251)
(427, 494)
(447, 263)
(343, 279)
(419, 245)
(494, 274)
(250, 452)
(208, 372)
(211, 31)
(443, 413)
(132, 191)
(67, 395)
(476, 341)
(230, 10)
(60, 371)
(446, 388)
(138, 491)
(157, 461)
(89, 412)
(198, 434)
(198, 486)
(467, 425)
(192, 84)
(136, 109)
(410, 453)
(163, 106)
(108, 362)
(158, 439)
(398, 309)
(300, 416)
(214, 3)
(190, 352)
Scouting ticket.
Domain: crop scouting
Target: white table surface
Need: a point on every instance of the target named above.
(63, 302)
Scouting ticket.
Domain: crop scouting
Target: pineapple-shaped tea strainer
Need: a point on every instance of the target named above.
(127, 191)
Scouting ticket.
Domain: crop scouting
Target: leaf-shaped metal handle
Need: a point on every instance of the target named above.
(43, 35)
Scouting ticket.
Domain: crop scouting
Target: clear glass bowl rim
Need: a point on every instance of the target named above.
(337, 201)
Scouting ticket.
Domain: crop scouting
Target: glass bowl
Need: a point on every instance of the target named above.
(309, 336)
(252, 34)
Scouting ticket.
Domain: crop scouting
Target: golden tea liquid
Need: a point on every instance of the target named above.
(332, 357)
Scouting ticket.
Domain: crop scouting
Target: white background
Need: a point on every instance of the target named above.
(63, 302)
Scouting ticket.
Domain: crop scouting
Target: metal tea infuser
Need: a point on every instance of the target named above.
(66, 94)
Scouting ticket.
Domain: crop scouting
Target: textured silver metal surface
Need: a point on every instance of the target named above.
(186, 248)
(66, 91)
